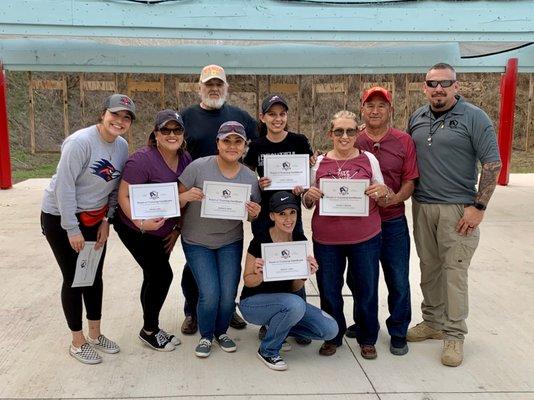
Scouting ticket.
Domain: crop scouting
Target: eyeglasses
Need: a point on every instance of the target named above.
(340, 132)
(232, 128)
(444, 84)
(167, 131)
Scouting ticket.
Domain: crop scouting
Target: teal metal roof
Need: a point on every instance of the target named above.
(261, 37)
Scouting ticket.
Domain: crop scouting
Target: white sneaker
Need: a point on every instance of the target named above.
(103, 344)
(85, 354)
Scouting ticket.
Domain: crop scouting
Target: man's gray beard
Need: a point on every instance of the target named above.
(214, 104)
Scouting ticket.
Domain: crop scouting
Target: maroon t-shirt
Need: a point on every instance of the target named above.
(398, 163)
(146, 165)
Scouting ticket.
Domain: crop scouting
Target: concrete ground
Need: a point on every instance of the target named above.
(34, 362)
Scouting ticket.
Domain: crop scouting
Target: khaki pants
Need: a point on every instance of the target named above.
(444, 260)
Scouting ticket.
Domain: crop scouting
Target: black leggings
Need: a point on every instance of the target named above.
(71, 298)
(149, 252)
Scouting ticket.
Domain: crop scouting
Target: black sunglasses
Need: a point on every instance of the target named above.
(232, 128)
(350, 132)
(444, 84)
(167, 131)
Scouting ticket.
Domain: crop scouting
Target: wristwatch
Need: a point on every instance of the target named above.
(479, 206)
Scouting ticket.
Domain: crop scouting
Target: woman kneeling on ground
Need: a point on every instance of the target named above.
(275, 304)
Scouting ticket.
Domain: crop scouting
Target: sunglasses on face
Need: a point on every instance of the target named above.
(350, 132)
(167, 131)
(232, 128)
(444, 84)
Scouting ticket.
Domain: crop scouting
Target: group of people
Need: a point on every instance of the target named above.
(436, 162)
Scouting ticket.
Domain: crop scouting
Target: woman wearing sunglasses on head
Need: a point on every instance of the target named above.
(150, 241)
(80, 198)
(213, 247)
(341, 239)
(277, 304)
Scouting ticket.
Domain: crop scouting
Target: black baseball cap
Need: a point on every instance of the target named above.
(282, 200)
(167, 115)
(273, 99)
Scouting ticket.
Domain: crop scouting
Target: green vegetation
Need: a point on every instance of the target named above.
(26, 166)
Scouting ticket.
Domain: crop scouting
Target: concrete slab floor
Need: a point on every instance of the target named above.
(34, 362)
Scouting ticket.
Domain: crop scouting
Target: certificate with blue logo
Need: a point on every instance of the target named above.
(344, 197)
(285, 261)
(287, 171)
(154, 200)
(224, 200)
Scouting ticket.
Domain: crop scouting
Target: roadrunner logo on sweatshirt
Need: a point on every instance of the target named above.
(105, 170)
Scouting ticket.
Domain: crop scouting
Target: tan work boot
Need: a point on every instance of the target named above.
(423, 331)
(452, 354)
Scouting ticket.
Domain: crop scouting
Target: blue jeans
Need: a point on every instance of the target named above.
(395, 260)
(217, 273)
(286, 314)
(363, 264)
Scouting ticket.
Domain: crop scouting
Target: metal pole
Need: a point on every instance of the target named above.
(5, 160)
(506, 119)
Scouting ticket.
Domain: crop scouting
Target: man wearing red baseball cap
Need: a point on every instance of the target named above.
(395, 152)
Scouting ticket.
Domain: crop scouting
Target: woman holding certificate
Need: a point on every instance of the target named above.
(275, 303)
(217, 191)
(151, 240)
(77, 203)
(346, 227)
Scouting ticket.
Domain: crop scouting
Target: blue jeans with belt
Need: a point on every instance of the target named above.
(286, 314)
(217, 273)
(363, 264)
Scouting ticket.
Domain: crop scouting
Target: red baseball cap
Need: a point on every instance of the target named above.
(386, 94)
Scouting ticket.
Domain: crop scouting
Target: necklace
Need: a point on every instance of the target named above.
(107, 144)
(340, 168)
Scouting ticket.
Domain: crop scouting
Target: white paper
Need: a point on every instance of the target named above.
(285, 261)
(86, 265)
(287, 171)
(154, 200)
(223, 200)
(344, 197)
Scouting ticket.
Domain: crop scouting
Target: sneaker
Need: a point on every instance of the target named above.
(85, 354)
(368, 351)
(423, 331)
(173, 339)
(237, 322)
(157, 340)
(286, 346)
(103, 344)
(303, 341)
(189, 326)
(262, 332)
(203, 348)
(452, 354)
(277, 363)
(226, 343)
(352, 332)
(328, 349)
(398, 346)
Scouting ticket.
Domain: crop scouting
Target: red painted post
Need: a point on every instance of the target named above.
(506, 119)
(5, 160)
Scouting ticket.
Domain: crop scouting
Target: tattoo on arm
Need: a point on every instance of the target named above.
(488, 181)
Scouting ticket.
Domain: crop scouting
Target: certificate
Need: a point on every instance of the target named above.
(86, 265)
(285, 261)
(154, 200)
(344, 197)
(223, 200)
(287, 171)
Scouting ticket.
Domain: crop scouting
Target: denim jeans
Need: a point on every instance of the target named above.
(217, 273)
(190, 291)
(363, 264)
(286, 314)
(395, 260)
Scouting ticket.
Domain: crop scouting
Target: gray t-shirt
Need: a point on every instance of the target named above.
(209, 232)
(87, 177)
(447, 152)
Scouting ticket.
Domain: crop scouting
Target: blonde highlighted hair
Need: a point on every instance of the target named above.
(343, 114)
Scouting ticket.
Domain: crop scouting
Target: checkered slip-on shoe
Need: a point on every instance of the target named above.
(103, 344)
(85, 354)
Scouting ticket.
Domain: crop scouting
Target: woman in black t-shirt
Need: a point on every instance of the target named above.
(275, 304)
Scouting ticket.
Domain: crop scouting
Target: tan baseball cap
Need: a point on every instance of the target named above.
(212, 71)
